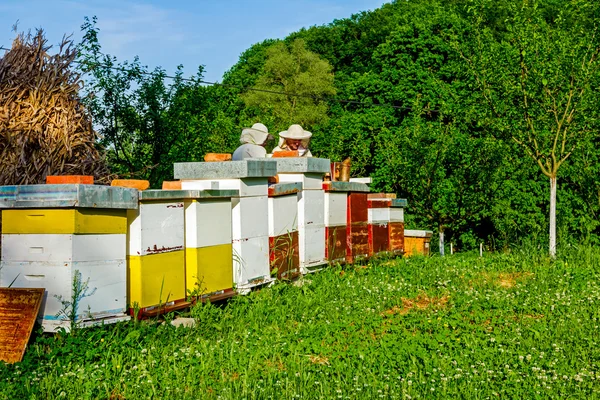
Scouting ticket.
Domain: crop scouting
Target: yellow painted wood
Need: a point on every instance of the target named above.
(64, 221)
(156, 278)
(209, 269)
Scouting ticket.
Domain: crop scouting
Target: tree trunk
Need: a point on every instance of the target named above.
(441, 231)
(553, 217)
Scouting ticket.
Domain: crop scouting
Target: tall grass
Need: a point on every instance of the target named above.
(508, 325)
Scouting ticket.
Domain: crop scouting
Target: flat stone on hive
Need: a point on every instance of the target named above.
(68, 195)
(338, 186)
(225, 170)
(301, 165)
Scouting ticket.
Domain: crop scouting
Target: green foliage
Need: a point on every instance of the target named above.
(509, 325)
(148, 124)
(442, 101)
(302, 75)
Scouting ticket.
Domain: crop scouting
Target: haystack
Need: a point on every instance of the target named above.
(44, 128)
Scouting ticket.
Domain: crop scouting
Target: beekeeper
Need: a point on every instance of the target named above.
(295, 138)
(253, 143)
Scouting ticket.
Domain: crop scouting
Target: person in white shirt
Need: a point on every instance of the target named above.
(253, 143)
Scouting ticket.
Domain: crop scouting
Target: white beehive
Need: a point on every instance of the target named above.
(71, 240)
(336, 208)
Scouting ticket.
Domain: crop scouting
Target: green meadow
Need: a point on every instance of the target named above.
(508, 325)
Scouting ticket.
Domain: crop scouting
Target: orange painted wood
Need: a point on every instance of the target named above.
(416, 245)
(287, 153)
(381, 196)
(216, 157)
(19, 308)
(396, 241)
(69, 179)
(131, 183)
(171, 185)
(357, 241)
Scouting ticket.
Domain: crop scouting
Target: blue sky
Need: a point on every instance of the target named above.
(168, 33)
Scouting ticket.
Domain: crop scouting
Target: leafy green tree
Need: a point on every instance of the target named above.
(302, 75)
(147, 120)
(538, 80)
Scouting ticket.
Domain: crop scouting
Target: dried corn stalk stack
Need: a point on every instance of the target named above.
(44, 128)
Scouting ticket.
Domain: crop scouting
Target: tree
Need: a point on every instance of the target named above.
(538, 80)
(148, 120)
(303, 76)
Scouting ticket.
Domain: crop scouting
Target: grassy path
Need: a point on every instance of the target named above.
(506, 326)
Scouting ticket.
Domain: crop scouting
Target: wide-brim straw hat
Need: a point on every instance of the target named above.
(258, 134)
(295, 132)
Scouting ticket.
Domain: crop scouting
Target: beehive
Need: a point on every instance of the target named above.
(250, 235)
(208, 244)
(396, 227)
(284, 253)
(379, 226)
(309, 172)
(417, 242)
(155, 251)
(61, 236)
(336, 210)
(357, 216)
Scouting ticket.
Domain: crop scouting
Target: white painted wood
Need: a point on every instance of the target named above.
(311, 208)
(155, 226)
(207, 223)
(310, 181)
(246, 186)
(312, 245)
(283, 214)
(108, 278)
(59, 248)
(417, 233)
(396, 214)
(380, 215)
(250, 260)
(366, 180)
(336, 208)
(250, 217)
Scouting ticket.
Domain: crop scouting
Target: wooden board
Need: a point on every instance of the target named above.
(19, 308)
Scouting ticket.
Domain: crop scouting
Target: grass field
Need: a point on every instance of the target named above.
(503, 326)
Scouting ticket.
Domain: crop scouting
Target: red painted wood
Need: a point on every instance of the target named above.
(379, 238)
(335, 249)
(357, 208)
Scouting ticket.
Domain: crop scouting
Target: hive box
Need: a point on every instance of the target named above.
(357, 216)
(283, 230)
(208, 245)
(396, 227)
(69, 239)
(336, 209)
(155, 251)
(309, 172)
(379, 226)
(250, 235)
(416, 242)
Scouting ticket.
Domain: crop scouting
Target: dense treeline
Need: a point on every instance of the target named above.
(466, 108)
